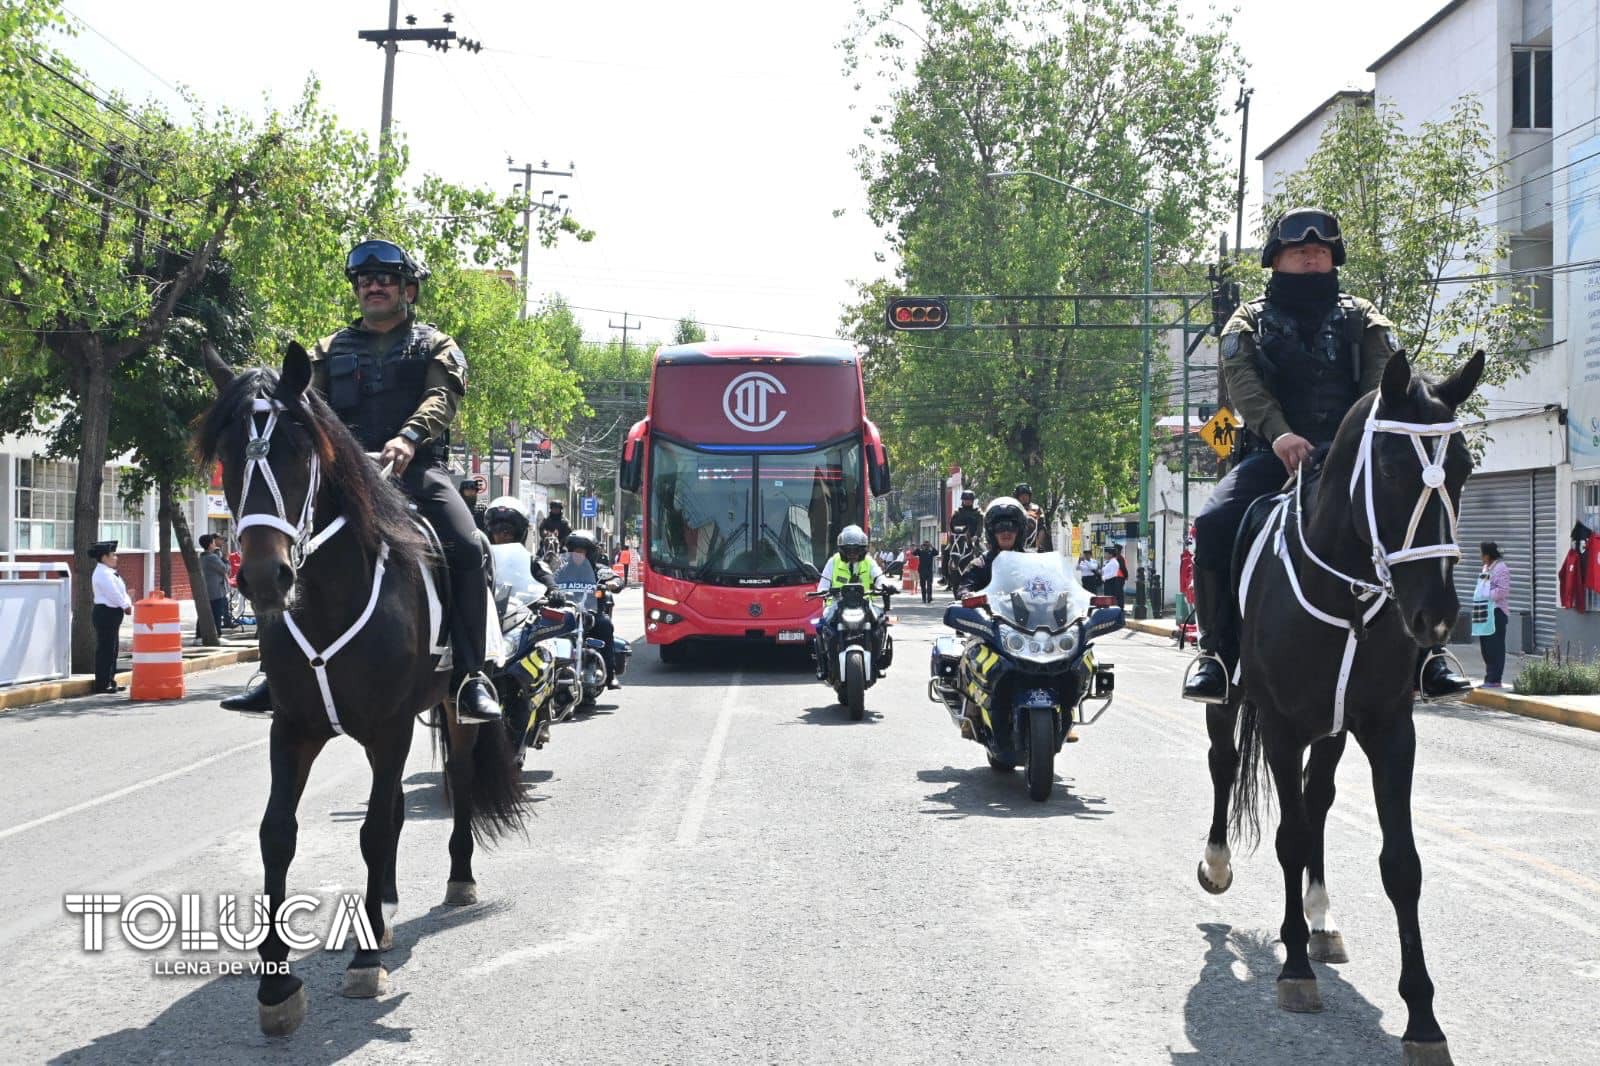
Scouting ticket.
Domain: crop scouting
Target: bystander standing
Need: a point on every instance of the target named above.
(1492, 597)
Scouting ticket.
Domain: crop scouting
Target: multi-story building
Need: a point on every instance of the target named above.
(1533, 65)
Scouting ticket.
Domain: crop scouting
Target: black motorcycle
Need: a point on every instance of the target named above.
(1019, 682)
(854, 647)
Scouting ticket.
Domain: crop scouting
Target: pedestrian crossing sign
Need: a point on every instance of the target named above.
(1221, 432)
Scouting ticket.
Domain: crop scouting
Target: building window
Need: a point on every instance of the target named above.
(44, 490)
(1530, 88)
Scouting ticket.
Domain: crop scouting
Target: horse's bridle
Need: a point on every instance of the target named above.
(256, 457)
(1433, 481)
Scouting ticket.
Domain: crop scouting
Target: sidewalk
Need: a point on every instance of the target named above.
(1583, 712)
(238, 646)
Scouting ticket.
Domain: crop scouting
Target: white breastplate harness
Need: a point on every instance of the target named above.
(1370, 595)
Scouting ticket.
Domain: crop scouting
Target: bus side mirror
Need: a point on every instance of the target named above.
(878, 469)
(630, 472)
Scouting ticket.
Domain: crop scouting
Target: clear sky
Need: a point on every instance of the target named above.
(711, 138)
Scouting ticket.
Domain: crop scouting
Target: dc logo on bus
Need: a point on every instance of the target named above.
(748, 403)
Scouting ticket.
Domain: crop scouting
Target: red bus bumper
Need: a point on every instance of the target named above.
(678, 610)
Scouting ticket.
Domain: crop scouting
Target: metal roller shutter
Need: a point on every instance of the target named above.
(1498, 507)
(1547, 554)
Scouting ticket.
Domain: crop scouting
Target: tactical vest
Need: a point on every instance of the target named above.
(849, 573)
(1316, 384)
(376, 390)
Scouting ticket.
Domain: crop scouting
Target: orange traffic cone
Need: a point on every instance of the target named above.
(157, 649)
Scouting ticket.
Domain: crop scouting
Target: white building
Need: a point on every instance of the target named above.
(1533, 65)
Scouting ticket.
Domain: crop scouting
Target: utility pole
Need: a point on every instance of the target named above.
(622, 394)
(389, 40)
(1241, 105)
(528, 170)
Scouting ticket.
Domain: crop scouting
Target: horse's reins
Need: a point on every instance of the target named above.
(303, 540)
(1373, 595)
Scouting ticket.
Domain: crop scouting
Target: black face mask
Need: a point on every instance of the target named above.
(1297, 292)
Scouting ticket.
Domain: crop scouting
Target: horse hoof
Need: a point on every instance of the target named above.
(460, 893)
(1426, 1053)
(1299, 994)
(365, 983)
(1216, 888)
(1328, 947)
(281, 1019)
(388, 939)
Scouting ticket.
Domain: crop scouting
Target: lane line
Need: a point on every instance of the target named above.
(67, 812)
(694, 812)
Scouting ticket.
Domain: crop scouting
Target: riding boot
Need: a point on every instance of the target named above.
(469, 617)
(1208, 676)
(254, 700)
(1437, 679)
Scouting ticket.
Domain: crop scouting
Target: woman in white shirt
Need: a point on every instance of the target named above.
(1114, 575)
(111, 603)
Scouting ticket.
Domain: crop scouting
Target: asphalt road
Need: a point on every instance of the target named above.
(721, 867)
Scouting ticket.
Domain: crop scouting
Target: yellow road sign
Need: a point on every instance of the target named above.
(1221, 432)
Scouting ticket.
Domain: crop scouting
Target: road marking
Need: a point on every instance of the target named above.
(67, 812)
(694, 811)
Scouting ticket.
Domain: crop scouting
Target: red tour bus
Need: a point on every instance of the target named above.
(750, 460)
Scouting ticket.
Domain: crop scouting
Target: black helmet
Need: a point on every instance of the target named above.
(582, 540)
(555, 505)
(1023, 488)
(510, 512)
(370, 256)
(1300, 225)
(1002, 514)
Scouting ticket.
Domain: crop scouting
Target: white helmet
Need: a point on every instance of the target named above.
(852, 543)
(510, 511)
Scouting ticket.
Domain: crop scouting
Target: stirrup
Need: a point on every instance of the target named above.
(468, 679)
(1422, 669)
(1227, 681)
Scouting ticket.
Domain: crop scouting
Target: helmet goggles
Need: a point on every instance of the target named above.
(1298, 227)
(371, 257)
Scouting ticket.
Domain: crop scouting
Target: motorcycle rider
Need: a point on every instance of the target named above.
(397, 383)
(849, 565)
(507, 522)
(1003, 523)
(1295, 361)
(1035, 536)
(582, 561)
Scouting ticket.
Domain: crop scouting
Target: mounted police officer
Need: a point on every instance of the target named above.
(1295, 362)
(1036, 536)
(397, 383)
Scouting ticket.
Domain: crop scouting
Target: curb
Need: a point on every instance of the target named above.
(44, 691)
(1500, 700)
(1533, 707)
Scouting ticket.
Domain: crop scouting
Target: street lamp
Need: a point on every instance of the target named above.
(1144, 392)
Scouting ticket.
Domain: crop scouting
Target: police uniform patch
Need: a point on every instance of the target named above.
(1391, 341)
(1230, 345)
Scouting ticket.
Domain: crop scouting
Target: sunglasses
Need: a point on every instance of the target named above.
(379, 278)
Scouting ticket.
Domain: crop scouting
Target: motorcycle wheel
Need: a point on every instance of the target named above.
(855, 686)
(1000, 766)
(1041, 753)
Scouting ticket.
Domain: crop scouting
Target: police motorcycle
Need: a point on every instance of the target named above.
(854, 649)
(1026, 670)
(582, 667)
(532, 622)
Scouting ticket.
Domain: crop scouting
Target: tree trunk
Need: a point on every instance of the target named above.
(94, 406)
(164, 538)
(205, 625)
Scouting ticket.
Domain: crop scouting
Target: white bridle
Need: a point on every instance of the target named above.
(256, 459)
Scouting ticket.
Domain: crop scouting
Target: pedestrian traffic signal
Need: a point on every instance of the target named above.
(544, 448)
(918, 312)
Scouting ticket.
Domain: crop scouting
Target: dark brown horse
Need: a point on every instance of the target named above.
(350, 596)
(1345, 581)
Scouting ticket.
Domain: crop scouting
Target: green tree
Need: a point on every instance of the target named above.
(1415, 207)
(1120, 97)
(688, 331)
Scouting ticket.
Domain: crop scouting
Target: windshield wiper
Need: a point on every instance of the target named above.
(718, 549)
(800, 564)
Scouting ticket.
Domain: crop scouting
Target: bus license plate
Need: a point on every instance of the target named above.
(791, 636)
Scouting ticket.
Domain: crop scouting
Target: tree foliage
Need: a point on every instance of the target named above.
(1119, 97)
(1414, 207)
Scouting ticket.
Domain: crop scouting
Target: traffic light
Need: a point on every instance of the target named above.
(544, 448)
(1224, 300)
(918, 312)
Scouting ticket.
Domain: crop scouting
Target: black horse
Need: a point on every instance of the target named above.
(342, 577)
(1341, 586)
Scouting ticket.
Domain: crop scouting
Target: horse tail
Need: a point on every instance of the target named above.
(1251, 784)
(499, 797)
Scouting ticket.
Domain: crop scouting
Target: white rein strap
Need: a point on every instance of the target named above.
(256, 452)
(319, 659)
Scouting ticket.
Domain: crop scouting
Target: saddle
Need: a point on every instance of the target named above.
(1255, 517)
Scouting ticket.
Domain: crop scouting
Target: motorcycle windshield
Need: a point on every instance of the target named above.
(577, 580)
(1035, 591)
(513, 569)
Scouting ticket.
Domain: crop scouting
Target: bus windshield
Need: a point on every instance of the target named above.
(765, 518)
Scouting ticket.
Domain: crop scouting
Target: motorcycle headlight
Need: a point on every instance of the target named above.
(1014, 642)
(852, 616)
(1036, 648)
(1068, 641)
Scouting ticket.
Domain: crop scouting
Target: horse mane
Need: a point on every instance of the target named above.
(375, 512)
